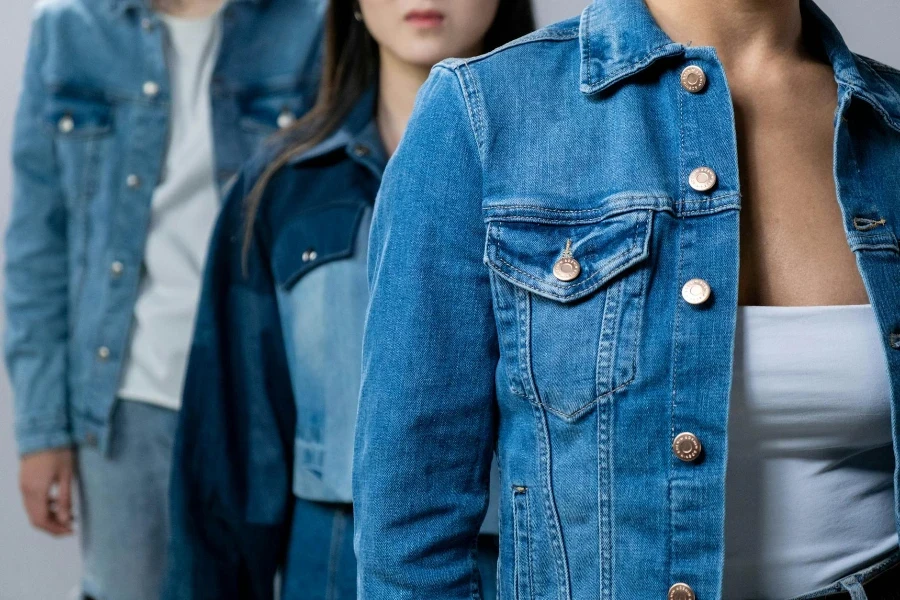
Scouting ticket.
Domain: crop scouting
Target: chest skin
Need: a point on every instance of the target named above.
(794, 250)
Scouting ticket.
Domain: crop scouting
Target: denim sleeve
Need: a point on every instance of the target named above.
(37, 272)
(230, 494)
(426, 422)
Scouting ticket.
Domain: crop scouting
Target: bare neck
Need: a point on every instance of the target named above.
(188, 9)
(399, 82)
(747, 34)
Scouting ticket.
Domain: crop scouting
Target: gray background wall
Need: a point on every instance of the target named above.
(36, 567)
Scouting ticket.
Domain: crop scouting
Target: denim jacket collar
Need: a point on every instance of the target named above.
(358, 135)
(620, 38)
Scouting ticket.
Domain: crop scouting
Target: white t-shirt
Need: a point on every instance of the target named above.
(810, 484)
(183, 212)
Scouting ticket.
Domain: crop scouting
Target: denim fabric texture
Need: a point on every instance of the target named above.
(577, 140)
(89, 143)
(123, 509)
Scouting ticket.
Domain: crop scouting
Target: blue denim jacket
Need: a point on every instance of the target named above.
(94, 112)
(274, 373)
(577, 142)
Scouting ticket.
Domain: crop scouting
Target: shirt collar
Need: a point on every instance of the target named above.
(358, 136)
(620, 38)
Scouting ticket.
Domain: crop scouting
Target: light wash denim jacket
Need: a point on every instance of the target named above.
(89, 144)
(578, 142)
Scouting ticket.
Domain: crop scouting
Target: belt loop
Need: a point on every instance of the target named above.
(854, 588)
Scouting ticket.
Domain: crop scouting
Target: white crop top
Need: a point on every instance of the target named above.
(810, 487)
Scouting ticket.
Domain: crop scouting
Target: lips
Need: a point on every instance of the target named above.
(425, 18)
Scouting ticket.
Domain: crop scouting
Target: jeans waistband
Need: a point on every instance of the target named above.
(863, 584)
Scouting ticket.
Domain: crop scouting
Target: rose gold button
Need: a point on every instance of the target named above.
(566, 269)
(693, 79)
(681, 591)
(696, 291)
(686, 447)
(702, 179)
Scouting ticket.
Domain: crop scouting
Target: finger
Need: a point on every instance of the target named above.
(63, 506)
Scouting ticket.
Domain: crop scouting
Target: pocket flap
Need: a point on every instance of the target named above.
(524, 252)
(73, 116)
(274, 110)
(315, 237)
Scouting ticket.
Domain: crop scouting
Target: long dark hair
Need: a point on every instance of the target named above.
(350, 68)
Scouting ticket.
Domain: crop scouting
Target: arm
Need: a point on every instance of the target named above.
(37, 308)
(37, 272)
(425, 432)
(231, 474)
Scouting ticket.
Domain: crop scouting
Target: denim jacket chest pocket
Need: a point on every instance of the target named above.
(82, 128)
(266, 111)
(319, 264)
(573, 339)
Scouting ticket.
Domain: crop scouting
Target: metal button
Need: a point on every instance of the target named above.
(566, 269)
(133, 181)
(102, 352)
(151, 88)
(693, 79)
(146, 24)
(681, 591)
(361, 150)
(66, 124)
(686, 447)
(703, 179)
(116, 268)
(696, 291)
(310, 255)
(286, 119)
(90, 440)
(895, 341)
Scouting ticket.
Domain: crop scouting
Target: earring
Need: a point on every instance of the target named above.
(357, 15)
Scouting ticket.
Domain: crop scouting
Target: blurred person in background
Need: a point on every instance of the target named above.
(262, 474)
(651, 254)
(133, 117)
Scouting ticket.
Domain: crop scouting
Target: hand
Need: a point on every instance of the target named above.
(45, 479)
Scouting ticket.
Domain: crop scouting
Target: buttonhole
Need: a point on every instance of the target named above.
(864, 224)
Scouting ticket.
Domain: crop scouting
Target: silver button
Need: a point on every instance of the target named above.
(102, 352)
(151, 88)
(361, 150)
(133, 181)
(693, 79)
(116, 268)
(286, 119)
(310, 255)
(686, 447)
(895, 341)
(66, 124)
(146, 24)
(702, 179)
(681, 591)
(696, 291)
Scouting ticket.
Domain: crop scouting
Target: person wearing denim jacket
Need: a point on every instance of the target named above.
(554, 269)
(98, 135)
(262, 469)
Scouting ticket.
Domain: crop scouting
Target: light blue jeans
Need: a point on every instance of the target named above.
(124, 514)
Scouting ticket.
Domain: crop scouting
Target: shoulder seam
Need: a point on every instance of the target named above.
(469, 88)
(544, 35)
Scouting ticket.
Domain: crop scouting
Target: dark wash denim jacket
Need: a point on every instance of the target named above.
(272, 384)
(579, 134)
(89, 145)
